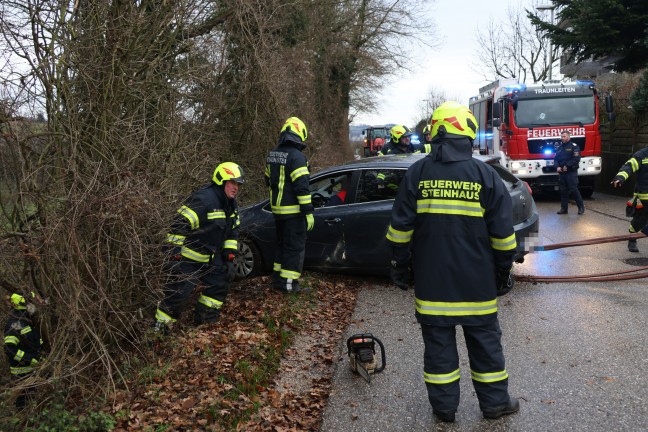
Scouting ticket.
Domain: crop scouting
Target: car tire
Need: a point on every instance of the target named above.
(248, 261)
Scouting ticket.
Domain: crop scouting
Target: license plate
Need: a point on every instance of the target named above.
(550, 163)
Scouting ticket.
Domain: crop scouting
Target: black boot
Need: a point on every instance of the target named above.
(447, 417)
(511, 407)
(632, 246)
(562, 211)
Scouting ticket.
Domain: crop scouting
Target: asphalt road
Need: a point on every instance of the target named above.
(576, 353)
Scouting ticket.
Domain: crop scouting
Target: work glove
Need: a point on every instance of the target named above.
(229, 264)
(504, 281)
(310, 222)
(400, 275)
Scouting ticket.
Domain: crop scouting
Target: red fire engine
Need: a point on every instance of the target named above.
(521, 124)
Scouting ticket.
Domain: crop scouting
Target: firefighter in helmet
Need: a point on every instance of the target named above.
(202, 246)
(450, 206)
(399, 142)
(288, 178)
(427, 136)
(22, 342)
(426, 145)
(638, 205)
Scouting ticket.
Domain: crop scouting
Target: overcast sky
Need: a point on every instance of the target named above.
(448, 67)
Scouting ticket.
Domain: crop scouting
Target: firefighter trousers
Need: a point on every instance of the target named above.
(183, 276)
(441, 366)
(289, 255)
(639, 219)
(569, 186)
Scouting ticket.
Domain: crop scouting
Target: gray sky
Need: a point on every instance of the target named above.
(449, 68)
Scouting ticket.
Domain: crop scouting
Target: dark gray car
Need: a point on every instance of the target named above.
(349, 232)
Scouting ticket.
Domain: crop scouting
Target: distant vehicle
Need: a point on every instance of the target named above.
(375, 138)
(350, 238)
(521, 124)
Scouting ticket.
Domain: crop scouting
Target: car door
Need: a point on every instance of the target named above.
(368, 219)
(326, 243)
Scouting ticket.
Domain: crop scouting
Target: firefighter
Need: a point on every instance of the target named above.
(426, 145)
(454, 213)
(288, 178)
(202, 246)
(399, 142)
(566, 161)
(427, 137)
(22, 343)
(638, 163)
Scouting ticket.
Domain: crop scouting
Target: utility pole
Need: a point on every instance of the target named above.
(551, 8)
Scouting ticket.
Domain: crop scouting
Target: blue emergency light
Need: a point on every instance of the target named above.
(515, 87)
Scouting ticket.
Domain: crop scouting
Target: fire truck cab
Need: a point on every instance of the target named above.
(521, 123)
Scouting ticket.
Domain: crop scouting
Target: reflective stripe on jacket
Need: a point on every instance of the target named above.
(288, 178)
(22, 344)
(455, 217)
(206, 225)
(637, 164)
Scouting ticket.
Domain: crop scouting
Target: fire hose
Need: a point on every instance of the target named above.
(637, 273)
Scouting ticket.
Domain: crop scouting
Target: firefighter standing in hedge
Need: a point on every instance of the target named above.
(201, 247)
(454, 213)
(22, 342)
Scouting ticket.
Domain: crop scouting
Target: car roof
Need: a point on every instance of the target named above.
(402, 161)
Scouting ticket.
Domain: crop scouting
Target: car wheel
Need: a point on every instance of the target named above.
(248, 262)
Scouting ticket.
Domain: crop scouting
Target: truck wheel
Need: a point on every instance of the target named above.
(586, 192)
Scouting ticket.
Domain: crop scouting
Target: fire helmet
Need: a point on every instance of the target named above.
(228, 171)
(426, 129)
(399, 131)
(297, 128)
(453, 118)
(19, 302)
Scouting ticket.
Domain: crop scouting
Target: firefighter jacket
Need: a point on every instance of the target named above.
(22, 343)
(454, 213)
(411, 148)
(387, 148)
(638, 163)
(206, 226)
(288, 179)
(567, 155)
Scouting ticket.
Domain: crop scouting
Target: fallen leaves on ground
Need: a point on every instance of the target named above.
(226, 376)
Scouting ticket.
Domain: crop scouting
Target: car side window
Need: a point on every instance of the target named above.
(329, 190)
(378, 185)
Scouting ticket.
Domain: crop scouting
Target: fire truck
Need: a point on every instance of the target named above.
(375, 138)
(521, 123)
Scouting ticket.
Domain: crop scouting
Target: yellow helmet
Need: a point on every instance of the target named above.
(426, 129)
(399, 131)
(19, 302)
(453, 118)
(297, 127)
(228, 171)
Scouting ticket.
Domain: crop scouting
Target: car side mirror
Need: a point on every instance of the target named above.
(609, 107)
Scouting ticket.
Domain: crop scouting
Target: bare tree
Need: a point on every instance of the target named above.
(141, 101)
(514, 48)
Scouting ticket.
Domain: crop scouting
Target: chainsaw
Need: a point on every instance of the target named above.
(361, 349)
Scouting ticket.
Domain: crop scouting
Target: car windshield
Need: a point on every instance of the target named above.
(555, 111)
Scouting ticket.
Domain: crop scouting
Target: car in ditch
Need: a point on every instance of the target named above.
(349, 236)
